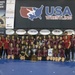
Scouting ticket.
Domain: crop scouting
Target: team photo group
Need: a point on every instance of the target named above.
(36, 48)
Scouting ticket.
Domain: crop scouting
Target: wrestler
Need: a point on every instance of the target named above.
(39, 53)
(11, 51)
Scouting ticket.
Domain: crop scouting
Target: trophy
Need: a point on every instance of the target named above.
(34, 50)
(34, 57)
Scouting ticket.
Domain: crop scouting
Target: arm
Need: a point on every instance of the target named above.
(69, 44)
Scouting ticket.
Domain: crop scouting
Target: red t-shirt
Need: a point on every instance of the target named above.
(6, 44)
(3, 39)
(69, 37)
(0, 44)
(66, 42)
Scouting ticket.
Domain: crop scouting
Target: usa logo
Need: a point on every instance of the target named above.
(31, 13)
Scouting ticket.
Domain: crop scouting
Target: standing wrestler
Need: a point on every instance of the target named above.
(67, 44)
(73, 46)
(49, 40)
(0, 48)
(13, 41)
(3, 40)
(6, 47)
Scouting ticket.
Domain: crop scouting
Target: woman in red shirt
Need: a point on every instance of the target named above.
(67, 45)
(6, 47)
(0, 47)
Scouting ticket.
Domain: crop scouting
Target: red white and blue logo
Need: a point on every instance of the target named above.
(31, 12)
(51, 13)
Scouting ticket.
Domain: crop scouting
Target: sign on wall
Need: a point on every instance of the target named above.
(2, 13)
(10, 14)
(45, 14)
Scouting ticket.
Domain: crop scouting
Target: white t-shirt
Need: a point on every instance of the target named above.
(50, 52)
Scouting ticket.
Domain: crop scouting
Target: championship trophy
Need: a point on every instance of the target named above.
(34, 57)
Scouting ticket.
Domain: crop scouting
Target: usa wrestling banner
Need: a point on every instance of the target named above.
(45, 14)
(2, 13)
(10, 13)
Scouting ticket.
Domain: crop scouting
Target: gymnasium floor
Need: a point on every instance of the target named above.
(18, 67)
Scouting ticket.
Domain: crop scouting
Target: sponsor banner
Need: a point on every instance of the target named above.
(20, 32)
(44, 32)
(32, 32)
(55, 13)
(57, 32)
(45, 14)
(2, 13)
(10, 14)
(9, 32)
(70, 31)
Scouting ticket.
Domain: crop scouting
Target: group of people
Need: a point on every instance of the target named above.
(40, 47)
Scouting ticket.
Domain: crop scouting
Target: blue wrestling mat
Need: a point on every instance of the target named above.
(18, 67)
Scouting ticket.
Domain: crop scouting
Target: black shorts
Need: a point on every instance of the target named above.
(16, 57)
(44, 58)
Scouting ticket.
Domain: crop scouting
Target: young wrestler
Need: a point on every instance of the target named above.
(13, 41)
(37, 39)
(3, 40)
(37, 44)
(31, 40)
(39, 53)
(22, 38)
(53, 41)
(0, 48)
(61, 41)
(44, 53)
(6, 47)
(26, 43)
(50, 53)
(73, 46)
(67, 45)
(18, 41)
(28, 53)
(22, 53)
(59, 52)
(22, 43)
(56, 40)
(11, 51)
(16, 51)
(27, 39)
(40, 40)
(55, 53)
(44, 40)
(49, 40)
(8, 37)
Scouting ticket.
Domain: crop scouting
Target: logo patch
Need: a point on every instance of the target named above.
(31, 12)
